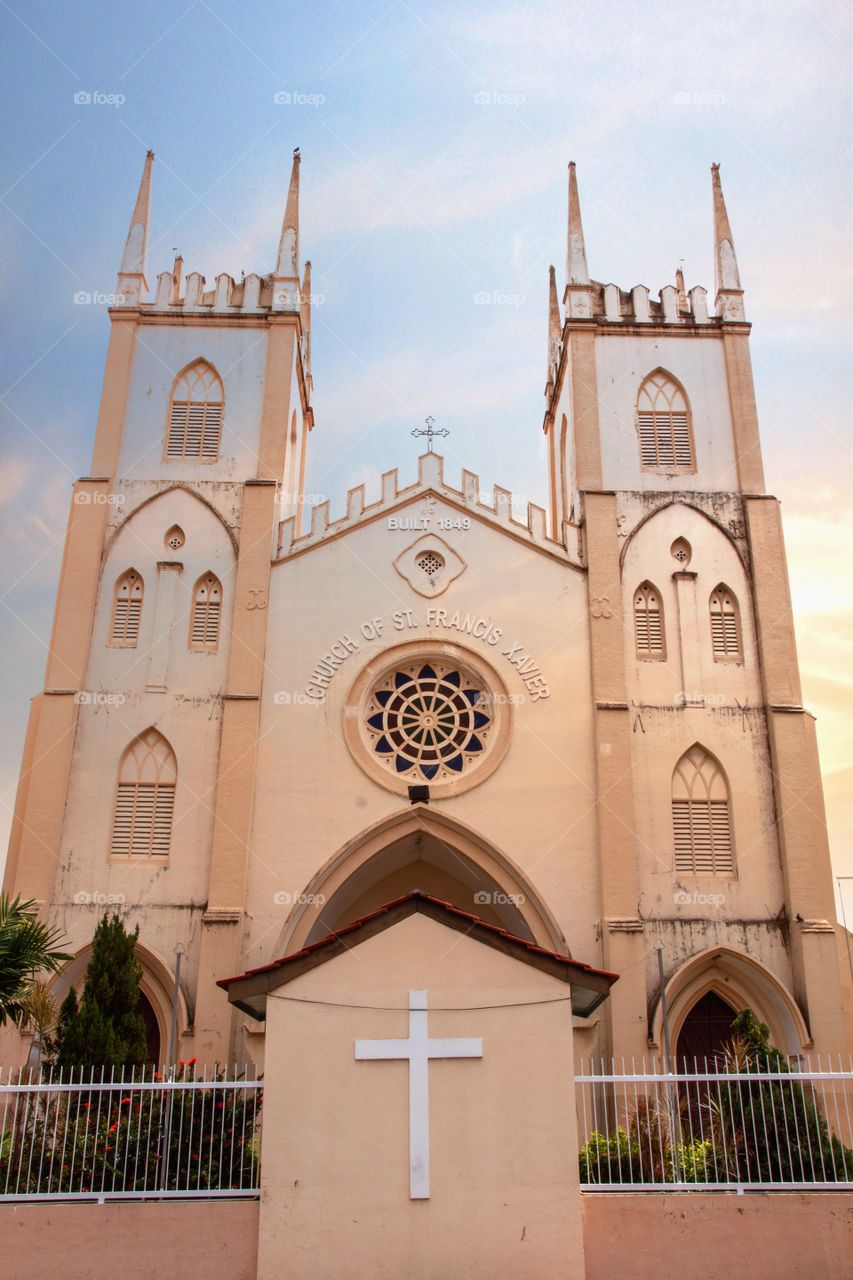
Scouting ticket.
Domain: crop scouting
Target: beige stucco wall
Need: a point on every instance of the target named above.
(312, 798)
(238, 354)
(503, 1162)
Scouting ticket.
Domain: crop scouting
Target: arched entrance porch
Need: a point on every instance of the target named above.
(420, 849)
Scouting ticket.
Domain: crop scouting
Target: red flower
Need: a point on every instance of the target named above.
(113, 1127)
(192, 1062)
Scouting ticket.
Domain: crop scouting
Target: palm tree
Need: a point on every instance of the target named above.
(27, 947)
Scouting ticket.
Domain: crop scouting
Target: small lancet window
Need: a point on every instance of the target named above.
(725, 626)
(127, 610)
(663, 426)
(648, 622)
(701, 816)
(196, 409)
(145, 800)
(206, 614)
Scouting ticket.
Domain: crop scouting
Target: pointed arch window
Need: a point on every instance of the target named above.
(726, 642)
(701, 816)
(649, 634)
(127, 610)
(663, 426)
(196, 410)
(145, 800)
(206, 614)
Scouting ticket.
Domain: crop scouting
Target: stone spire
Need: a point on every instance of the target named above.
(131, 274)
(726, 276)
(286, 277)
(554, 329)
(579, 288)
(576, 268)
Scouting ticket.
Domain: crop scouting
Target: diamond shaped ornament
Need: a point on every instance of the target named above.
(429, 565)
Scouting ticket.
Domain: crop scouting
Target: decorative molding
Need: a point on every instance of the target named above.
(624, 924)
(427, 584)
(222, 916)
(815, 926)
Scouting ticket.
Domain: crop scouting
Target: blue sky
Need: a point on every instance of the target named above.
(434, 139)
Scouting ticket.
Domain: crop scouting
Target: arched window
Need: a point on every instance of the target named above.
(701, 817)
(663, 425)
(127, 610)
(206, 613)
(145, 800)
(195, 414)
(725, 625)
(649, 631)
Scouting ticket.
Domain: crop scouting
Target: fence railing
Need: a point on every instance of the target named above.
(103, 1135)
(748, 1129)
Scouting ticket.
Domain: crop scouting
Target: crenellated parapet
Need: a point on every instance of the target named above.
(469, 499)
(635, 306)
(251, 295)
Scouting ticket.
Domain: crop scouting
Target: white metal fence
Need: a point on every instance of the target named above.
(108, 1135)
(750, 1128)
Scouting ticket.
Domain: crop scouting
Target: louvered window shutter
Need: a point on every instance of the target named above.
(663, 426)
(127, 611)
(145, 799)
(206, 614)
(725, 631)
(195, 415)
(648, 623)
(701, 816)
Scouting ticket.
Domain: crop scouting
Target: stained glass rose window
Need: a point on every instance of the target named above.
(428, 721)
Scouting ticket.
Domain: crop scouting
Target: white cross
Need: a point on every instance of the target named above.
(418, 1049)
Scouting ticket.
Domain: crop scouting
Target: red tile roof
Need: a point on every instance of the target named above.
(416, 896)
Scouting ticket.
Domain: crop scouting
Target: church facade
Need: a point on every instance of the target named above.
(584, 726)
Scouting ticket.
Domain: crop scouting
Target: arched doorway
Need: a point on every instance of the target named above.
(419, 849)
(421, 861)
(145, 1008)
(704, 1033)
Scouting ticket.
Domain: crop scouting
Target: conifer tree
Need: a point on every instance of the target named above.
(105, 1030)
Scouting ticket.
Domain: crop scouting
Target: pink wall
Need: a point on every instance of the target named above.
(702, 1237)
(131, 1239)
(786, 1236)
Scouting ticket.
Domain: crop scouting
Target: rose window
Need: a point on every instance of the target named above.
(428, 720)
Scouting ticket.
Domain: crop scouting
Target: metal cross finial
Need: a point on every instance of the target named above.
(430, 432)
